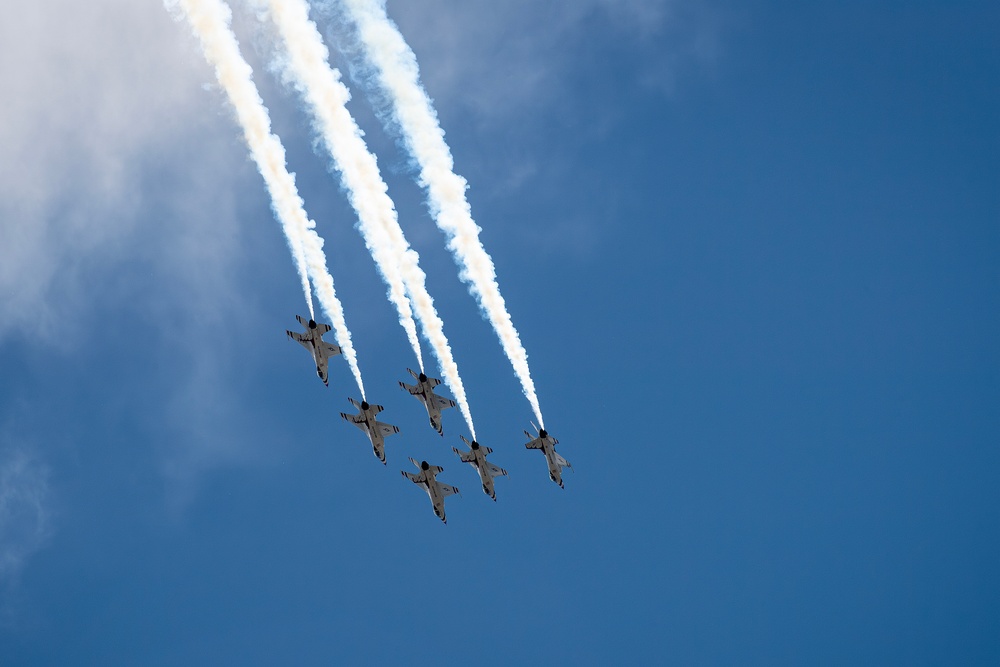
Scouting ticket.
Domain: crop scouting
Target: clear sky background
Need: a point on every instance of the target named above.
(752, 250)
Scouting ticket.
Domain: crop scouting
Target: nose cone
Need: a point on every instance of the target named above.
(475, 445)
(423, 378)
(424, 465)
(364, 405)
(312, 324)
(543, 433)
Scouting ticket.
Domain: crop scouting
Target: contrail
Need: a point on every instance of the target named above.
(395, 66)
(210, 22)
(305, 63)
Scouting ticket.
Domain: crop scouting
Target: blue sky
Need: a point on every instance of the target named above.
(751, 249)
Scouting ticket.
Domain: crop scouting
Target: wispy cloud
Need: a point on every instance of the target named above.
(25, 514)
(120, 182)
(496, 59)
(94, 95)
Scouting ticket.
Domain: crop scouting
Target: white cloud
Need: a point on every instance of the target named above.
(119, 182)
(497, 59)
(94, 95)
(25, 515)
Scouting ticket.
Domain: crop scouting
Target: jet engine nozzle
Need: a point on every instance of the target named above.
(543, 433)
(423, 378)
(424, 465)
(364, 405)
(475, 445)
(312, 324)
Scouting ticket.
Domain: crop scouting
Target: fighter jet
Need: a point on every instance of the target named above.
(424, 390)
(436, 491)
(313, 341)
(547, 444)
(375, 430)
(477, 459)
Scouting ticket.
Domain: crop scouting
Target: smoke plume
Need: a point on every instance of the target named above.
(305, 63)
(395, 67)
(210, 22)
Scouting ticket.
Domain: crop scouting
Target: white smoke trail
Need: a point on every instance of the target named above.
(210, 22)
(306, 64)
(396, 68)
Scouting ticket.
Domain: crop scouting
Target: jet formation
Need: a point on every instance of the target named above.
(376, 431)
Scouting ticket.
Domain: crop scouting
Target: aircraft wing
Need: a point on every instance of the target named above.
(443, 402)
(435, 470)
(466, 457)
(357, 420)
(301, 339)
(354, 419)
(322, 328)
(433, 382)
(561, 461)
(534, 444)
(496, 471)
(447, 490)
(330, 350)
(410, 388)
(387, 429)
(410, 476)
(375, 409)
